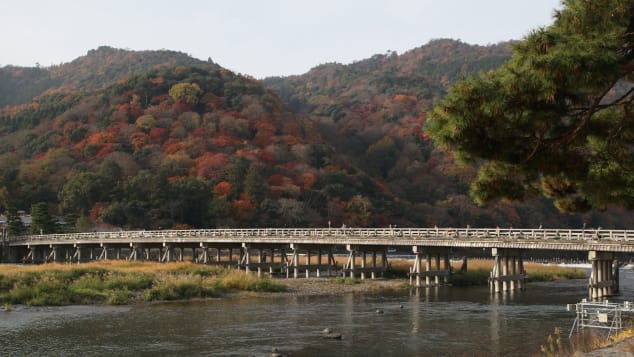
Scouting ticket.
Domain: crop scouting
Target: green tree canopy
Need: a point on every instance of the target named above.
(14, 222)
(188, 92)
(557, 118)
(42, 221)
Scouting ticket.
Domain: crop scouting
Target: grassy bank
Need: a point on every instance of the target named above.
(120, 283)
(117, 282)
(587, 342)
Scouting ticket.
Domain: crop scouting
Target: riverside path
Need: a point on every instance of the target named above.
(311, 251)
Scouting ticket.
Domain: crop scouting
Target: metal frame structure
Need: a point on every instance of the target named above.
(599, 315)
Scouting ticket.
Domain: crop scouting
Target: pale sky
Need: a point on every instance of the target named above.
(257, 37)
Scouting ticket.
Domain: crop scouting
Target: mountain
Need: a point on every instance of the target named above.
(156, 139)
(181, 145)
(373, 113)
(97, 69)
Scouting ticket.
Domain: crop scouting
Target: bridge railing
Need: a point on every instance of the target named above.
(319, 233)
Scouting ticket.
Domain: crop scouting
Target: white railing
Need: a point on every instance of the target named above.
(388, 233)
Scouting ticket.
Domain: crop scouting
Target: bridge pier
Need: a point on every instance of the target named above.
(52, 253)
(508, 270)
(350, 267)
(264, 261)
(133, 252)
(430, 253)
(308, 267)
(204, 254)
(167, 254)
(604, 278)
(103, 255)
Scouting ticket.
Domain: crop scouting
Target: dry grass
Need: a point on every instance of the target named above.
(120, 282)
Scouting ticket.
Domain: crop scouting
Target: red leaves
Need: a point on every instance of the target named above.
(208, 165)
(222, 189)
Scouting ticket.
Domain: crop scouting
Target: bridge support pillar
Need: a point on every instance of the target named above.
(52, 253)
(309, 265)
(350, 264)
(204, 255)
(361, 252)
(431, 255)
(168, 253)
(31, 253)
(133, 252)
(103, 255)
(245, 258)
(508, 270)
(268, 262)
(604, 278)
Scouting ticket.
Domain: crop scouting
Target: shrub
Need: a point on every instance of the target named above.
(118, 297)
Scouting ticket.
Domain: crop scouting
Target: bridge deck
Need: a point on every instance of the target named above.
(542, 239)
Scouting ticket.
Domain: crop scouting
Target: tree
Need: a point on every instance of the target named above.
(222, 189)
(15, 226)
(235, 172)
(187, 201)
(357, 211)
(42, 222)
(80, 192)
(84, 224)
(381, 156)
(253, 182)
(187, 92)
(556, 119)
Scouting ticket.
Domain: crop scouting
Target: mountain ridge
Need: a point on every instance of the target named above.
(178, 145)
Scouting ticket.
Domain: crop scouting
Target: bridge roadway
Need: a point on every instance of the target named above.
(621, 241)
(429, 245)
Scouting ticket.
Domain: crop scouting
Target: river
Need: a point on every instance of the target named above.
(446, 321)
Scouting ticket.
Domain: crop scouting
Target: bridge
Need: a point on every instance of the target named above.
(311, 251)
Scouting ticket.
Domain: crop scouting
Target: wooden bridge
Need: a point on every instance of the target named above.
(311, 252)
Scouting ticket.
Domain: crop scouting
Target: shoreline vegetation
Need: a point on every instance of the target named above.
(123, 282)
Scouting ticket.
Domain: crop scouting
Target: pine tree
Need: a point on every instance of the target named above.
(42, 222)
(15, 227)
(557, 118)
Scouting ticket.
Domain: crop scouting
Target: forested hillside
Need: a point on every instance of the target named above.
(157, 139)
(373, 112)
(97, 69)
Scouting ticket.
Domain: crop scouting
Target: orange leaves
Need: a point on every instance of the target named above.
(139, 140)
(243, 208)
(280, 185)
(222, 141)
(172, 146)
(208, 165)
(101, 138)
(157, 135)
(265, 132)
(222, 189)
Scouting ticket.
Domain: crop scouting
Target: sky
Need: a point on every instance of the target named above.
(257, 37)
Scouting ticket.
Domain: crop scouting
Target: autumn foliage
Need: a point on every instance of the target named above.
(185, 143)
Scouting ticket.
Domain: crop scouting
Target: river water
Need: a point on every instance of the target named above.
(446, 321)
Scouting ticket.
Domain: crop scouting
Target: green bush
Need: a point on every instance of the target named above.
(133, 281)
(347, 281)
(7, 282)
(119, 297)
(19, 295)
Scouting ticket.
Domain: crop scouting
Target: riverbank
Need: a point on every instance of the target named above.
(121, 282)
